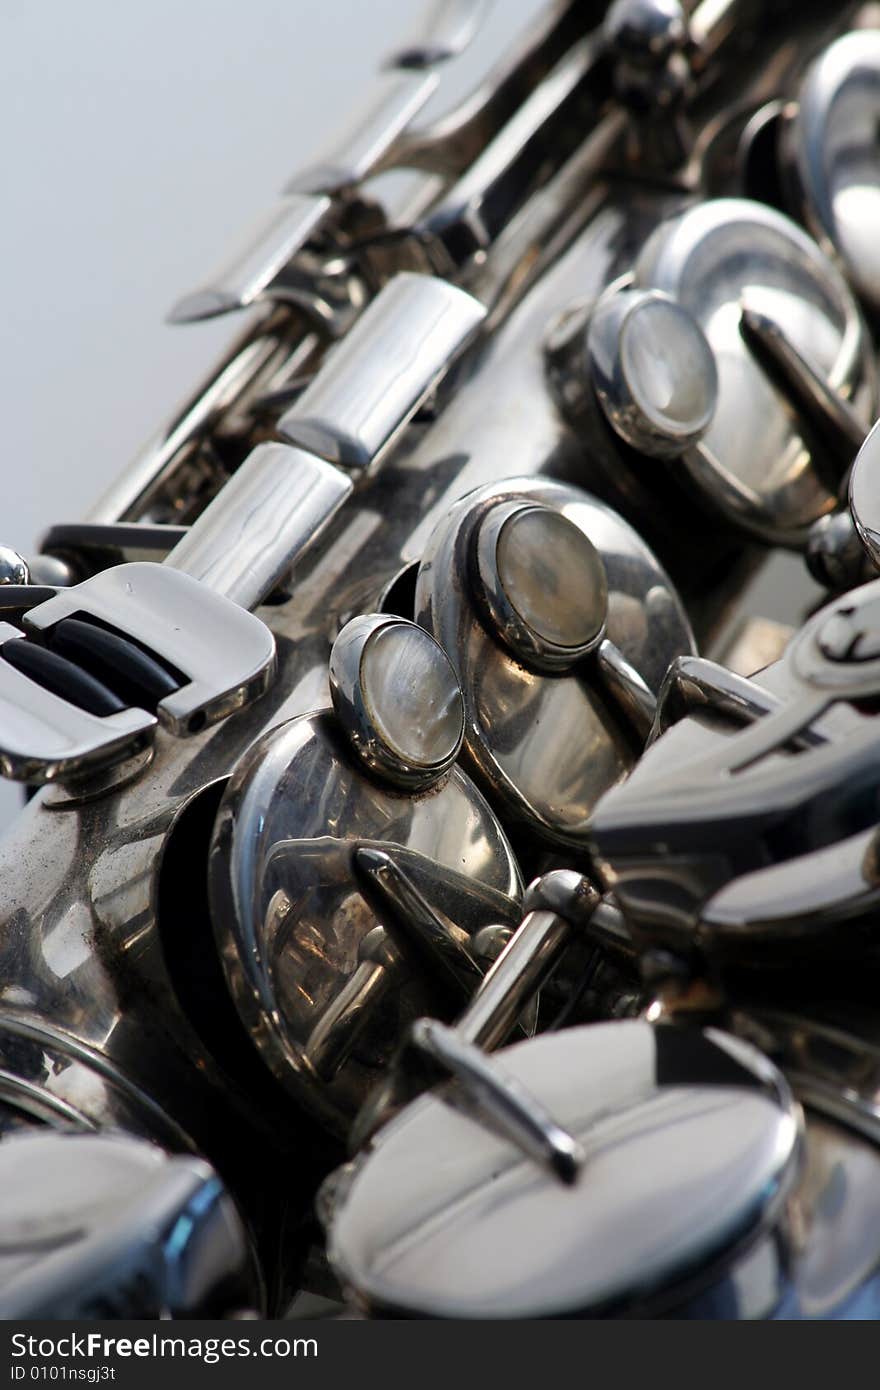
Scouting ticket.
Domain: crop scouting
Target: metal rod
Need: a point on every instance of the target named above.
(502, 1100)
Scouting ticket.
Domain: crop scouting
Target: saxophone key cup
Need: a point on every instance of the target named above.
(322, 988)
(410, 1236)
(225, 655)
(104, 1225)
(561, 624)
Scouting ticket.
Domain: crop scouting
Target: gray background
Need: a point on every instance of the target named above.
(139, 141)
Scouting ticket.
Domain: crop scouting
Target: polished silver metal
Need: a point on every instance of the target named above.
(654, 68)
(143, 488)
(242, 546)
(313, 976)
(560, 907)
(397, 97)
(836, 555)
(274, 507)
(632, 693)
(864, 495)
(692, 683)
(831, 141)
(741, 840)
(830, 1067)
(397, 696)
(378, 376)
(653, 370)
(840, 425)
(561, 904)
(753, 461)
(104, 859)
(98, 1225)
(226, 656)
(519, 718)
(450, 957)
(543, 584)
(504, 1102)
(265, 267)
(256, 271)
(44, 738)
(467, 219)
(646, 29)
(52, 570)
(14, 568)
(703, 369)
(268, 352)
(833, 551)
(443, 32)
(846, 666)
(464, 1239)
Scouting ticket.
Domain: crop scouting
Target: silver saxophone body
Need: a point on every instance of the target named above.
(415, 586)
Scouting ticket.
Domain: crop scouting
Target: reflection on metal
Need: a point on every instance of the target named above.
(273, 508)
(463, 1239)
(505, 1104)
(533, 612)
(226, 656)
(864, 495)
(13, 567)
(45, 737)
(416, 928)
(378, 376)
(559, 907)
(98, 1226)
(840, 426)
(561, 357)
(832, 145)
(397, 697)
(317, 982)
(653, 370)
(733, 843)
(754, 460)
(256, 272)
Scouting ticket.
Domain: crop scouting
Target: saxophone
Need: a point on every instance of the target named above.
(405, 918)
